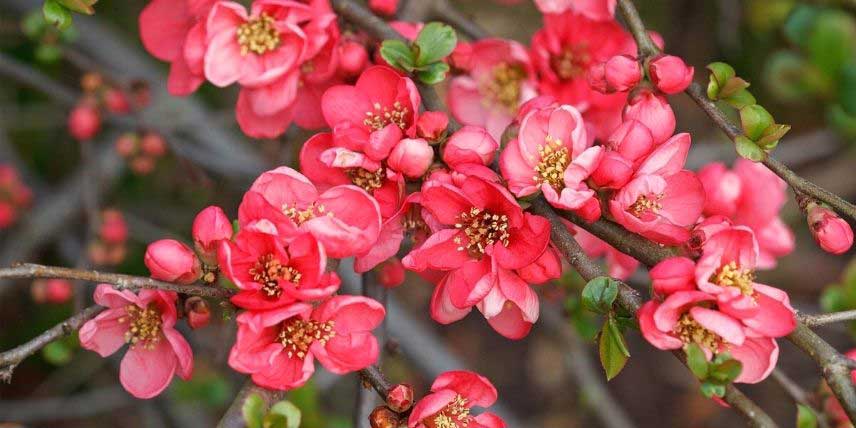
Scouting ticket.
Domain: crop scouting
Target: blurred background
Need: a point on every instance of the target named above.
(799, 56)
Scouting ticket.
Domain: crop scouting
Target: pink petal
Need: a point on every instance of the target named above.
(145, 373)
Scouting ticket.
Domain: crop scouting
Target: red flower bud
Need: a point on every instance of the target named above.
(431, 124)
(383, 7)
(51, 291)
(831, 232)
(197, 311)
(142, 165)
(209, 228)
(618, 74)
(390, 273)
(400, 398)
(153, 144)
(383, 417)
(84, 122)
(353, 57)
(411, 157)
(126, 144)
(654, 112)
(670, 74)
(116, 101)
(113, 230)
(171, 261)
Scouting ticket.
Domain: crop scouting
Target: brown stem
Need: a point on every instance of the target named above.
(445, 11)
(11, 358)
(823, 319)
(798, 395)
(365, 401)
(118, 280)
(374, 377)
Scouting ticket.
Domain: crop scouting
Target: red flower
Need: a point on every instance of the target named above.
(279, 347)
(452, 397)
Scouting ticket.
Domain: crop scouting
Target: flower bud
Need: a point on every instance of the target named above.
(51, 290)
(209, 228)
(197, 311)
(91, 82)
(462, 57)
(383, 7)
(411, 157)
(153, 144)
(470, 144)
(670, 74)
(632, 140)
(126, 144)
(171, 261)
(353, 57)
(390, 273)
(400, 398)
(113, 229)
(831, 232)
(383, 417)
(620, 73)
(654, 112)
(590, 211)
(431, 124)
(116, 101)
(84, 122)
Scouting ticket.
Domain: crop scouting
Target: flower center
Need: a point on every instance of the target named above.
(646, 204)
(300, 216)
(730, 275)
(554, 160)
(689, 331)
(297, 335)
(258, 35)
(455, 415)
(366, 179)
(381, 116)
(144, 326)
(482, 229)
(504, 86)
(571, 62)
(268, 271)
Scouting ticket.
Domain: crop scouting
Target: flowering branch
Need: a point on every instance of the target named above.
(120, 281)
(11, 358)
(823, 319)
(630, 300)
(647, 49)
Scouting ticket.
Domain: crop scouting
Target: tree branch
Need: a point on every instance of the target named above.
(823, 319)
(118, 280)
(798, 395)
(11, 358)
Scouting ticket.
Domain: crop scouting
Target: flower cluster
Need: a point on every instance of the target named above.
(141, 151)
(109, 246)
(15, 196)
(99, 96)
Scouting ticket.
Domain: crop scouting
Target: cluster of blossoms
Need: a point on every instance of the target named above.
(15, 196)
(109, 246)
(99, 95)
(141, 150)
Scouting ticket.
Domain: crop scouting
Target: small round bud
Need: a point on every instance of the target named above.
(126, 144)
(153, 144)
(171, 261)
(116, 101)
(51, 290)
(390, 273)
(84, 121)
(400, 398)
(383, 417)
(197, 311)
(90, 82)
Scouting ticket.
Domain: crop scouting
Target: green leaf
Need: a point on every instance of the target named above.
(726, 371)
(784, 76)
(711, 389)
(289, 411)
(732, 86)
(806, 417)
(56, 14)
(740, 99)
(696, 361)
(253, 411)
(799, 24)
(48, 53)
(721, 72)
(274, 420)
(236, 227)
(747, 148)
(599, 293)
(832, 299)
(755, 120)
(79, 6)
(434, 42)
(57, 353)
(34, 24)
(771, 136)
(398, 55)
(613, 349)
(832, 41)
(847, 88)
(433, 73)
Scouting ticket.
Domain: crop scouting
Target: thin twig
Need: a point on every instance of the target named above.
(66, 407)
(118, 280)
(11, 358)
(365, 400)
(445, 11)
(823, 319)
(798, 395)
(374, 377)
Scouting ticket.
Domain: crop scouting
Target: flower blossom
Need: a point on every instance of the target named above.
(453, 395)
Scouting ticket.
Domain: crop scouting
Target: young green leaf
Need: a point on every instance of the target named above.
(289, 411)
(397, 54)
(740, 99)
(433, 73)
(79, 6)
(435, 42)
(56, 14)
(274, 420)
(755, 120)
(806, 417)
(253, 411)
(599, 293)
(726, 371)
(696, 361)
(612, 348)
(747, 148)
(712, 389)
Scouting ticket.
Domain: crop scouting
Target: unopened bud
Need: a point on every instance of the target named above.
(197, 311)
(400, 398)
(831, 232)
(383, 417)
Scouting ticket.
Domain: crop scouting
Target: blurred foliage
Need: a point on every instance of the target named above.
(207, 387)
(841, 296)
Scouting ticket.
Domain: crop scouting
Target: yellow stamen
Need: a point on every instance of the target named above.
(297, 335)
(481, 229)
(258, 35)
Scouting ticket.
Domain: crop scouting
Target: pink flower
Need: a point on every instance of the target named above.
(146, 321)
(500, 79)
(750, 195)
(598, 10)
(565, 51)
(271, 273)
(620, 73)
(673, 275)
(654, 112)
(669, 74)
(470, 145)
(344, 218)
(684, 317)
(432, 124)
(84, 121)
(174, 31)
(210, 227)
(831, 232)
(662, 200)
(257, 48)
(278, 348)
(411, 157)
(171, 261)
(452, 397)
(372, 116)
(552, 154)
